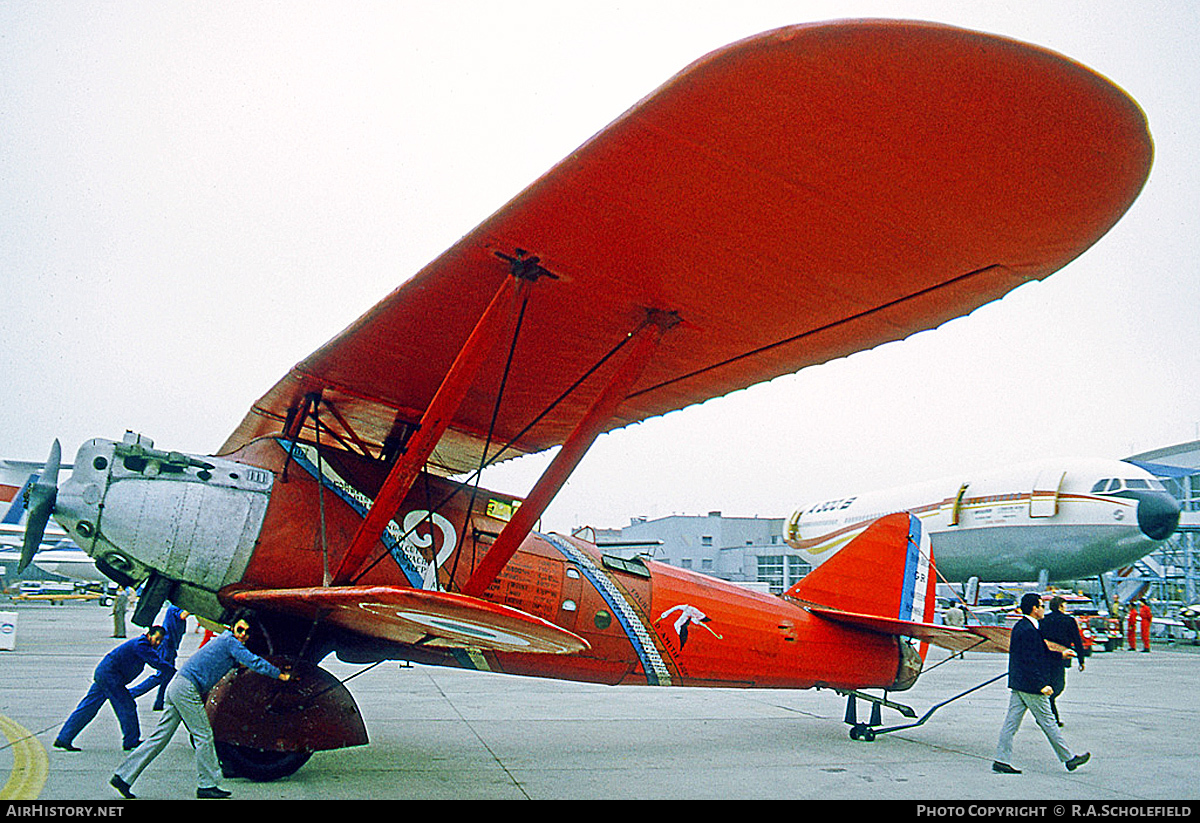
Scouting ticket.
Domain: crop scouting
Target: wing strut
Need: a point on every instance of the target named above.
(645, 343)
(435, 421)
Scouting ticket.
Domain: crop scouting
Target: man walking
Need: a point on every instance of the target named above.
(1147, 618)
(1059, 627)
(110, 684)
(185, 704)
(1029, 666)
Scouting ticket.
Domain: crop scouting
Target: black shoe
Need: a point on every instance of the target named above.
(131, 748)
(212, 793)
(123, 787)
(66, 747)
(1003, 768)
(1077, 761)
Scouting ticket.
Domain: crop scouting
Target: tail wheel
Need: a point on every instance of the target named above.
(257, 764)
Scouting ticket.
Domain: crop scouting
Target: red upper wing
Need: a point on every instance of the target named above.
(794, 197)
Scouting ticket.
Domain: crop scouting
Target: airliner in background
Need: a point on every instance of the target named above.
(56, 554)
(1055, 520)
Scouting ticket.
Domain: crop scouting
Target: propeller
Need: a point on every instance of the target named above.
(39, 502)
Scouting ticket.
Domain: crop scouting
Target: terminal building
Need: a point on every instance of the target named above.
(747, 550)
(1171, 573)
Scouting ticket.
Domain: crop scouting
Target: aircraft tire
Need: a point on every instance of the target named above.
(259, 765)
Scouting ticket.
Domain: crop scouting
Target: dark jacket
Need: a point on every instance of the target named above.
(1031, 664)
(1062, 629)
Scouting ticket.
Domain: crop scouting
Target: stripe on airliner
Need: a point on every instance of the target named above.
(17, 509)
(656, 670)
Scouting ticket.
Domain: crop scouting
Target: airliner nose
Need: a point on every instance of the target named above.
(1158, 515)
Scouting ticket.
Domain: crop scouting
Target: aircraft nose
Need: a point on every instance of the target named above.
(1158, 515)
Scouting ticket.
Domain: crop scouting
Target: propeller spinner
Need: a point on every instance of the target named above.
(39, 502)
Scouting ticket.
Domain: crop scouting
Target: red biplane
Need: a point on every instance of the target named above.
(788, 199)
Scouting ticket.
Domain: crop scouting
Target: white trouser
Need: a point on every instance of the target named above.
(1039, 706)
(184, 704)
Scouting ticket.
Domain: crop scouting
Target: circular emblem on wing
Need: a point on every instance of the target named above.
(455, 630)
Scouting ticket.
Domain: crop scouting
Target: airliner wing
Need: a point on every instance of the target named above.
(788, 199)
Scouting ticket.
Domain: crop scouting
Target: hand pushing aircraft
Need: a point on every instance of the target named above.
(1049, 521)
(788, 199)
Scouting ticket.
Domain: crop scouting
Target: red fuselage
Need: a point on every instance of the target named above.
(645, 622)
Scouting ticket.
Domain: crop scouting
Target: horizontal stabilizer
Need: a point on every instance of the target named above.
(969, 638)
(884, 581)
(414, 616)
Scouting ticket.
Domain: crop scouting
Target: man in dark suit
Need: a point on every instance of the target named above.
(1030, 672)
(1059, 627)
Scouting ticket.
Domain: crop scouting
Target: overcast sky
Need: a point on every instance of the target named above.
(194, 196)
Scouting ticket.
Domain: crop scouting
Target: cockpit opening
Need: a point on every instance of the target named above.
(1117, 484)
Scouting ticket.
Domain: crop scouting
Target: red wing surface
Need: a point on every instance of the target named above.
(793, 198)
(404, 615)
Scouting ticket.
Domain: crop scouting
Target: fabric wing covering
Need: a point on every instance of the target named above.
(793, 198)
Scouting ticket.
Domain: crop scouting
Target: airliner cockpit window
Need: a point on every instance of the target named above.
(1136, 484)
(1100, 486)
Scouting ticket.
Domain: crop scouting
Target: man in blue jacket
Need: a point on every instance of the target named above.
(110, 683)
(185, 698)
(1031, 666)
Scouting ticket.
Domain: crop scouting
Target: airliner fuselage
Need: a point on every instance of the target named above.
(1054, 520)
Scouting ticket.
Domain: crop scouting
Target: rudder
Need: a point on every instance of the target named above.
(888, 571)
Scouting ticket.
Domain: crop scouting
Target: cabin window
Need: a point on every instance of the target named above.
(569, 606)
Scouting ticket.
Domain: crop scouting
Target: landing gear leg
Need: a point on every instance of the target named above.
(868, 732)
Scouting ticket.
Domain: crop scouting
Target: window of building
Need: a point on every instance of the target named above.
(770, 571)
(781, 572)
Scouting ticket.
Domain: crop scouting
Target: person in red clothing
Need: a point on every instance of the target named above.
(1146, 618)
(1131, 627)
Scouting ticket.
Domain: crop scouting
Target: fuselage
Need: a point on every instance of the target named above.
(1063, 519)
(278, 514)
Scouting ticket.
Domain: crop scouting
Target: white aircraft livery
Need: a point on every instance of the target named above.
(1046, 521)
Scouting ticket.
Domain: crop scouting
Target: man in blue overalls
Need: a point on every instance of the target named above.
(175, 622)
(110, 684)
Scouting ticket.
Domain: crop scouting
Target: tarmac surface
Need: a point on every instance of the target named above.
(449, 734)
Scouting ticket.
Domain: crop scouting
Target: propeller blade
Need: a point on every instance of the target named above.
(39, 502)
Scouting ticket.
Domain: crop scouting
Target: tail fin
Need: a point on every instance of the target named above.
(887, 571)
